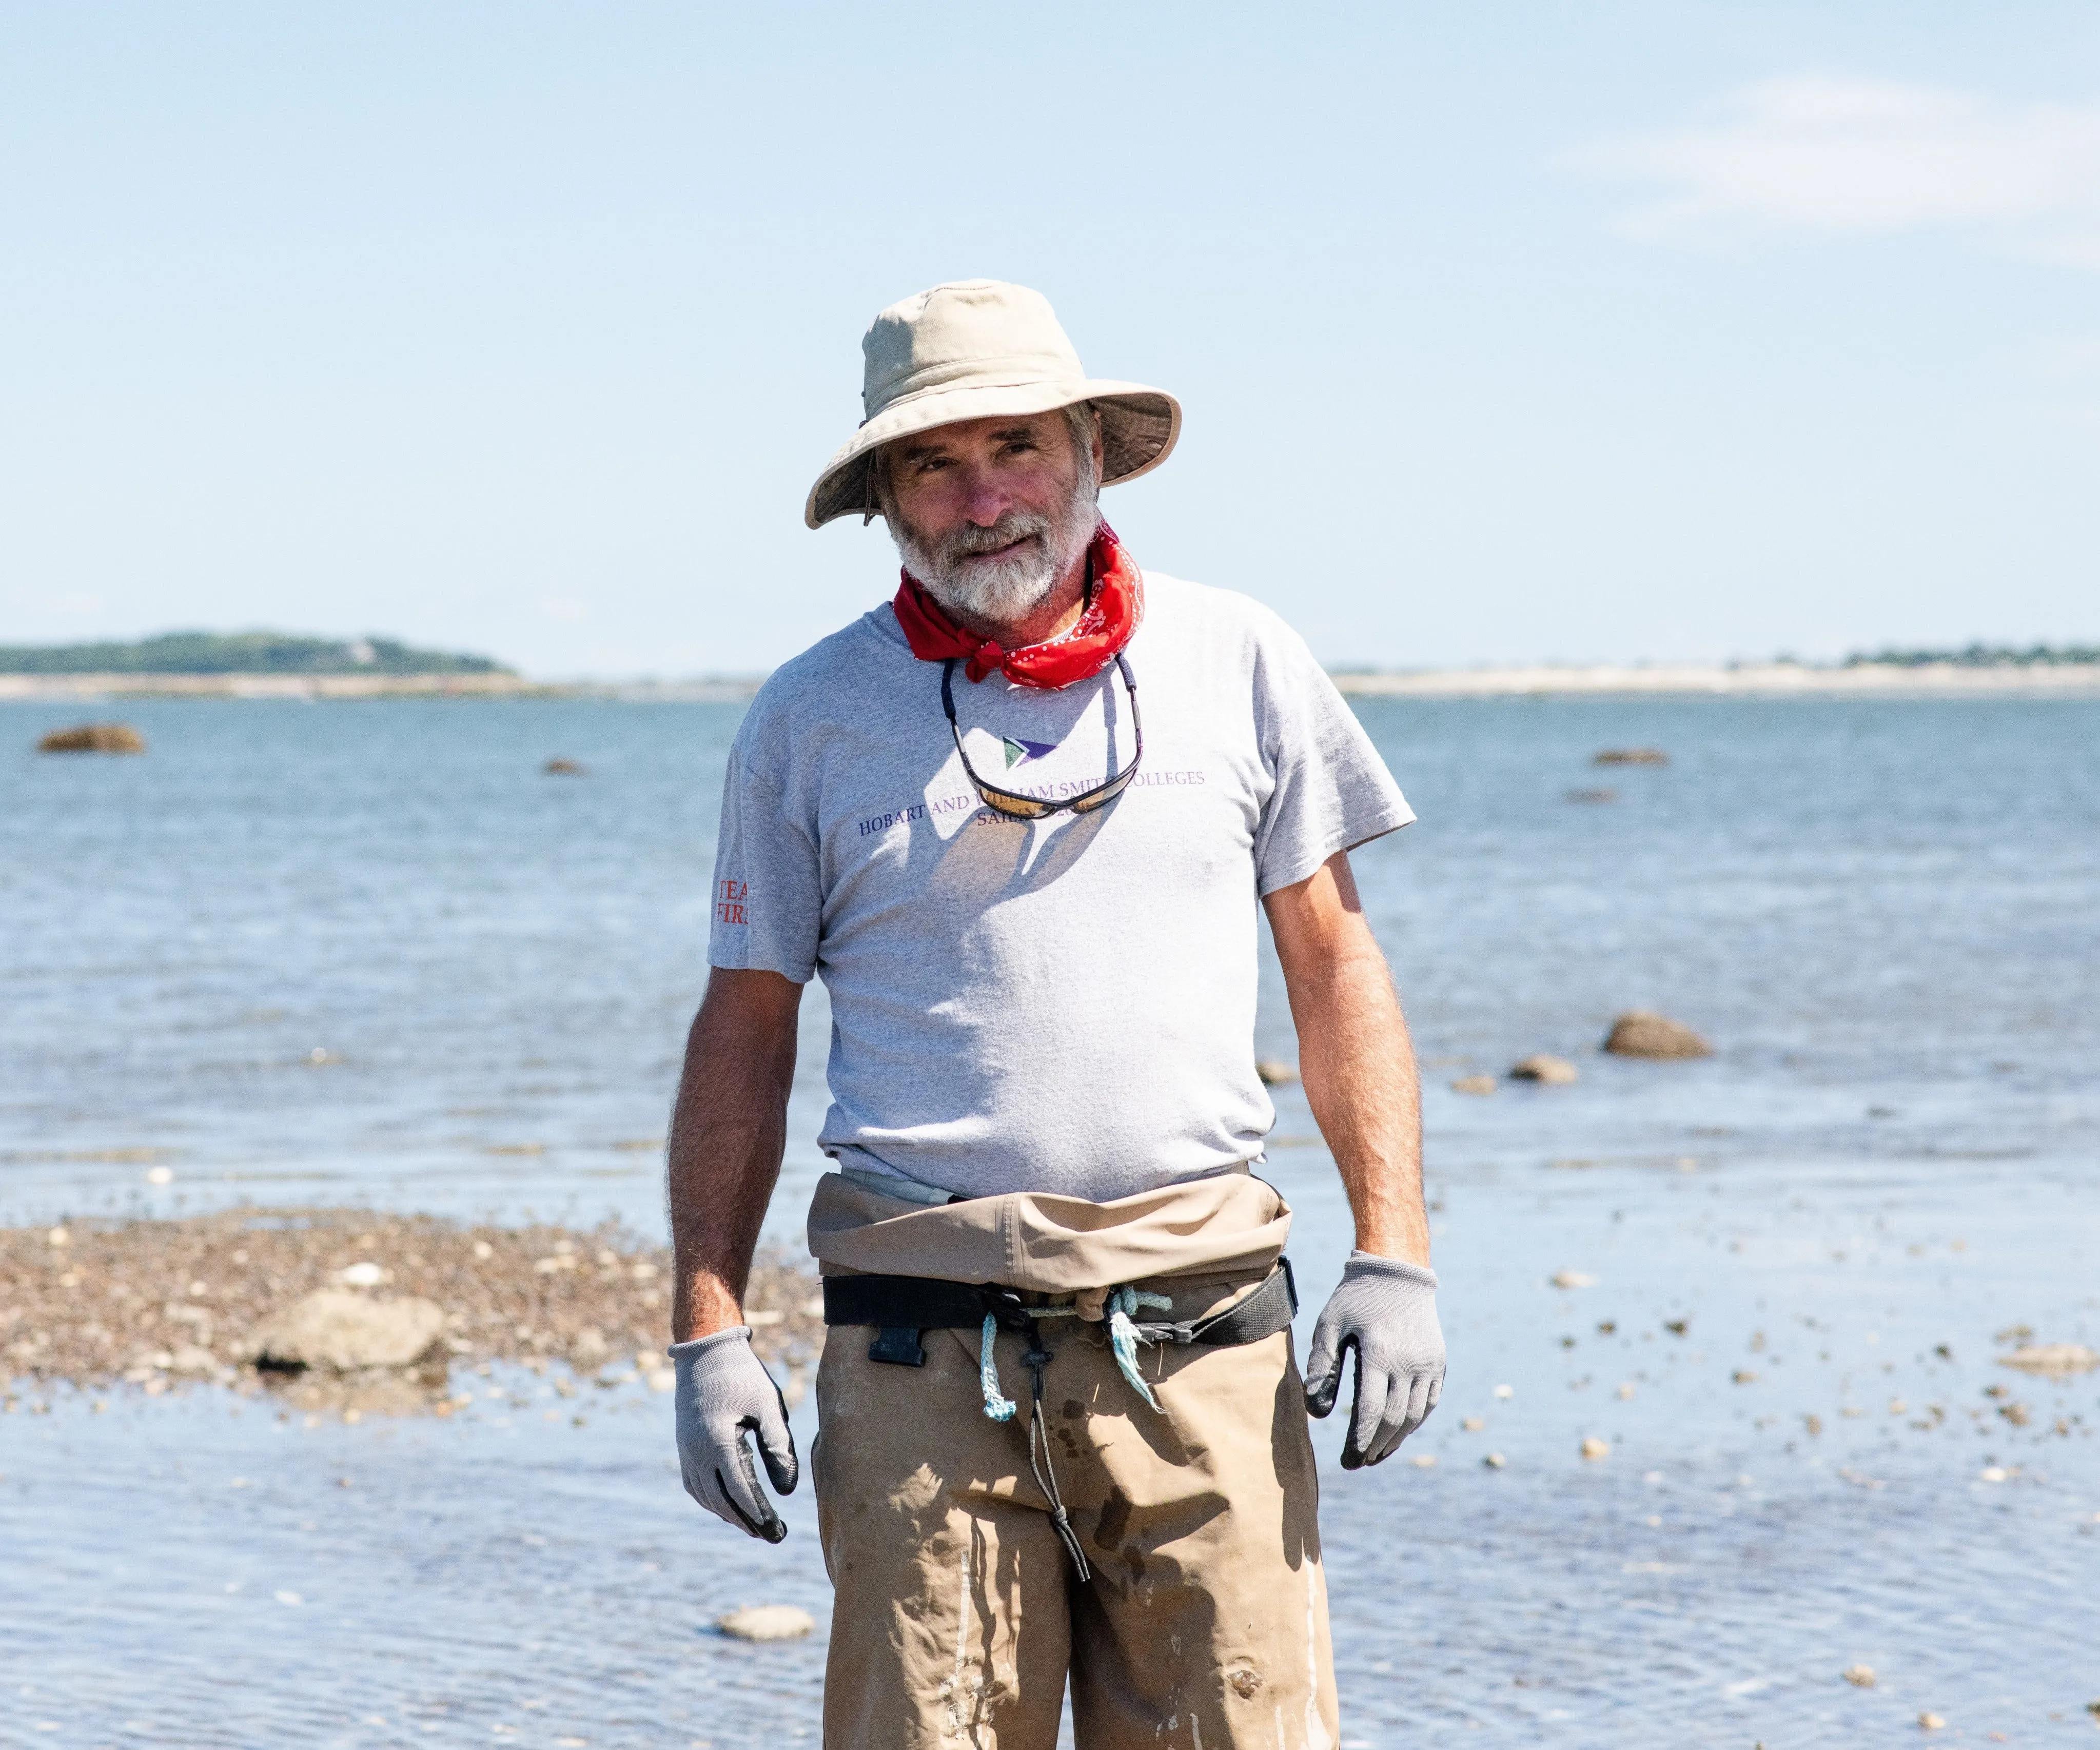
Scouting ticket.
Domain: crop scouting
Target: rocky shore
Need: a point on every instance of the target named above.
(305, 1302)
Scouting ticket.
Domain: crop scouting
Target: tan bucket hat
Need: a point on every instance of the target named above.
(975, 349)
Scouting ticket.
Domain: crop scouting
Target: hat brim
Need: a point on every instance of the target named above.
(1139, 427)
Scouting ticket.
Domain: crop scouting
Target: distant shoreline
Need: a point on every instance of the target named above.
(1755, 680)
(1746, 680)
(54, 687)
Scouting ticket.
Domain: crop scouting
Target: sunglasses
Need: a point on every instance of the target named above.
(1014, 806)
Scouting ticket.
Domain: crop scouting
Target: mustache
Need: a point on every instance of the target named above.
(969, 542)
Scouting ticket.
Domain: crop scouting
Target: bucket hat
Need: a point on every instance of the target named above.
(976, 349)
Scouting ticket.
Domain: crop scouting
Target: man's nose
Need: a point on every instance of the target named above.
(986, 498)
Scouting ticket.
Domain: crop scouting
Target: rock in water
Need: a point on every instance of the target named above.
(1274, 1070)
(1631, 756)
(332, 1328)
(1640, 1033)
(1477, 1084)
(767, 1622)
(1594, 1448)
(93, 737)
(1543, 1067)
(558, 767)
(1859, 1676)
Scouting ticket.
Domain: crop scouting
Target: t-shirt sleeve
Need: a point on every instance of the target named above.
(1332, 791)
(768, 895)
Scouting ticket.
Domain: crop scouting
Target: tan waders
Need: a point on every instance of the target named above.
(1201, 1623)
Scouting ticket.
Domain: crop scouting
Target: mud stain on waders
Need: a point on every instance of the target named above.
(1114, 1521)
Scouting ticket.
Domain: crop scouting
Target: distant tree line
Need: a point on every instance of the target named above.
(240, 653)
(1984, 656)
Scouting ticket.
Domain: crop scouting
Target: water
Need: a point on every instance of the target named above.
(1884, 914)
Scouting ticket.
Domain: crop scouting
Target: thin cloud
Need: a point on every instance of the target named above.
(1848, 156)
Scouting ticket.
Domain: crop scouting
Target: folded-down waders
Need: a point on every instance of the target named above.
(904, 1308)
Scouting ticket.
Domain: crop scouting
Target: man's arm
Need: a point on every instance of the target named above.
(1355, 1056)
(728, 1131)
(1358, 1067)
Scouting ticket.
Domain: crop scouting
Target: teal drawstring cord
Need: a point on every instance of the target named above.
(997, 1405)
(1123, 1338)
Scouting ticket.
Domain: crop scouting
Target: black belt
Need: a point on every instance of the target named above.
(903, 1306)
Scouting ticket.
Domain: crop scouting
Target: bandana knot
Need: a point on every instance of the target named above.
(1112, 614)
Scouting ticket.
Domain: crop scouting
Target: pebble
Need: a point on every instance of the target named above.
(1479, 1086)
(1472, 1425)
(767, 1622)
(1505, 1391)
(1543, 1067)
(1595, 1448)
(1859, 1676)
(1572, 1278)
(1494, 1460)
(1930, 1722)
(1631, 756)
(1273, 1070)
(1423, 1461)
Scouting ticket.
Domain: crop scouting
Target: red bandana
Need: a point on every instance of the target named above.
(1090, 646)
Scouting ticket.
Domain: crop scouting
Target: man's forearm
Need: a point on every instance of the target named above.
(1357, 1063)
(1354, 1057)
(728, 1131)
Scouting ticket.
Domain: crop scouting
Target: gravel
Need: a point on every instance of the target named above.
(154, 1304)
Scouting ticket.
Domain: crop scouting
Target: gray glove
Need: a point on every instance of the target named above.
(724, 1390)
(1386, 1311)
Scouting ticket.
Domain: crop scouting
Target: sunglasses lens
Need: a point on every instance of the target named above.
(1105, 795)
(1014, 808)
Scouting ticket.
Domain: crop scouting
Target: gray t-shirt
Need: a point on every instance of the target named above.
(1065, 1005)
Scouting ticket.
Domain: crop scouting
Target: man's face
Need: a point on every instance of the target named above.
(989, 513)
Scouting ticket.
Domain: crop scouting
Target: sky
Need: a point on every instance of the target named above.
(1573, 332)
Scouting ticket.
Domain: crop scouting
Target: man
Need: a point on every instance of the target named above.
(1033, 908)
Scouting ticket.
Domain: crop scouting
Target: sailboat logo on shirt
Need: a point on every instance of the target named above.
(1019, 752)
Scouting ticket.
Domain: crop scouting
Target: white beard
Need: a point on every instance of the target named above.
(1000, 592)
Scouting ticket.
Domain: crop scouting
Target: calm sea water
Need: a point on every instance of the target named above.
(369, 953)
